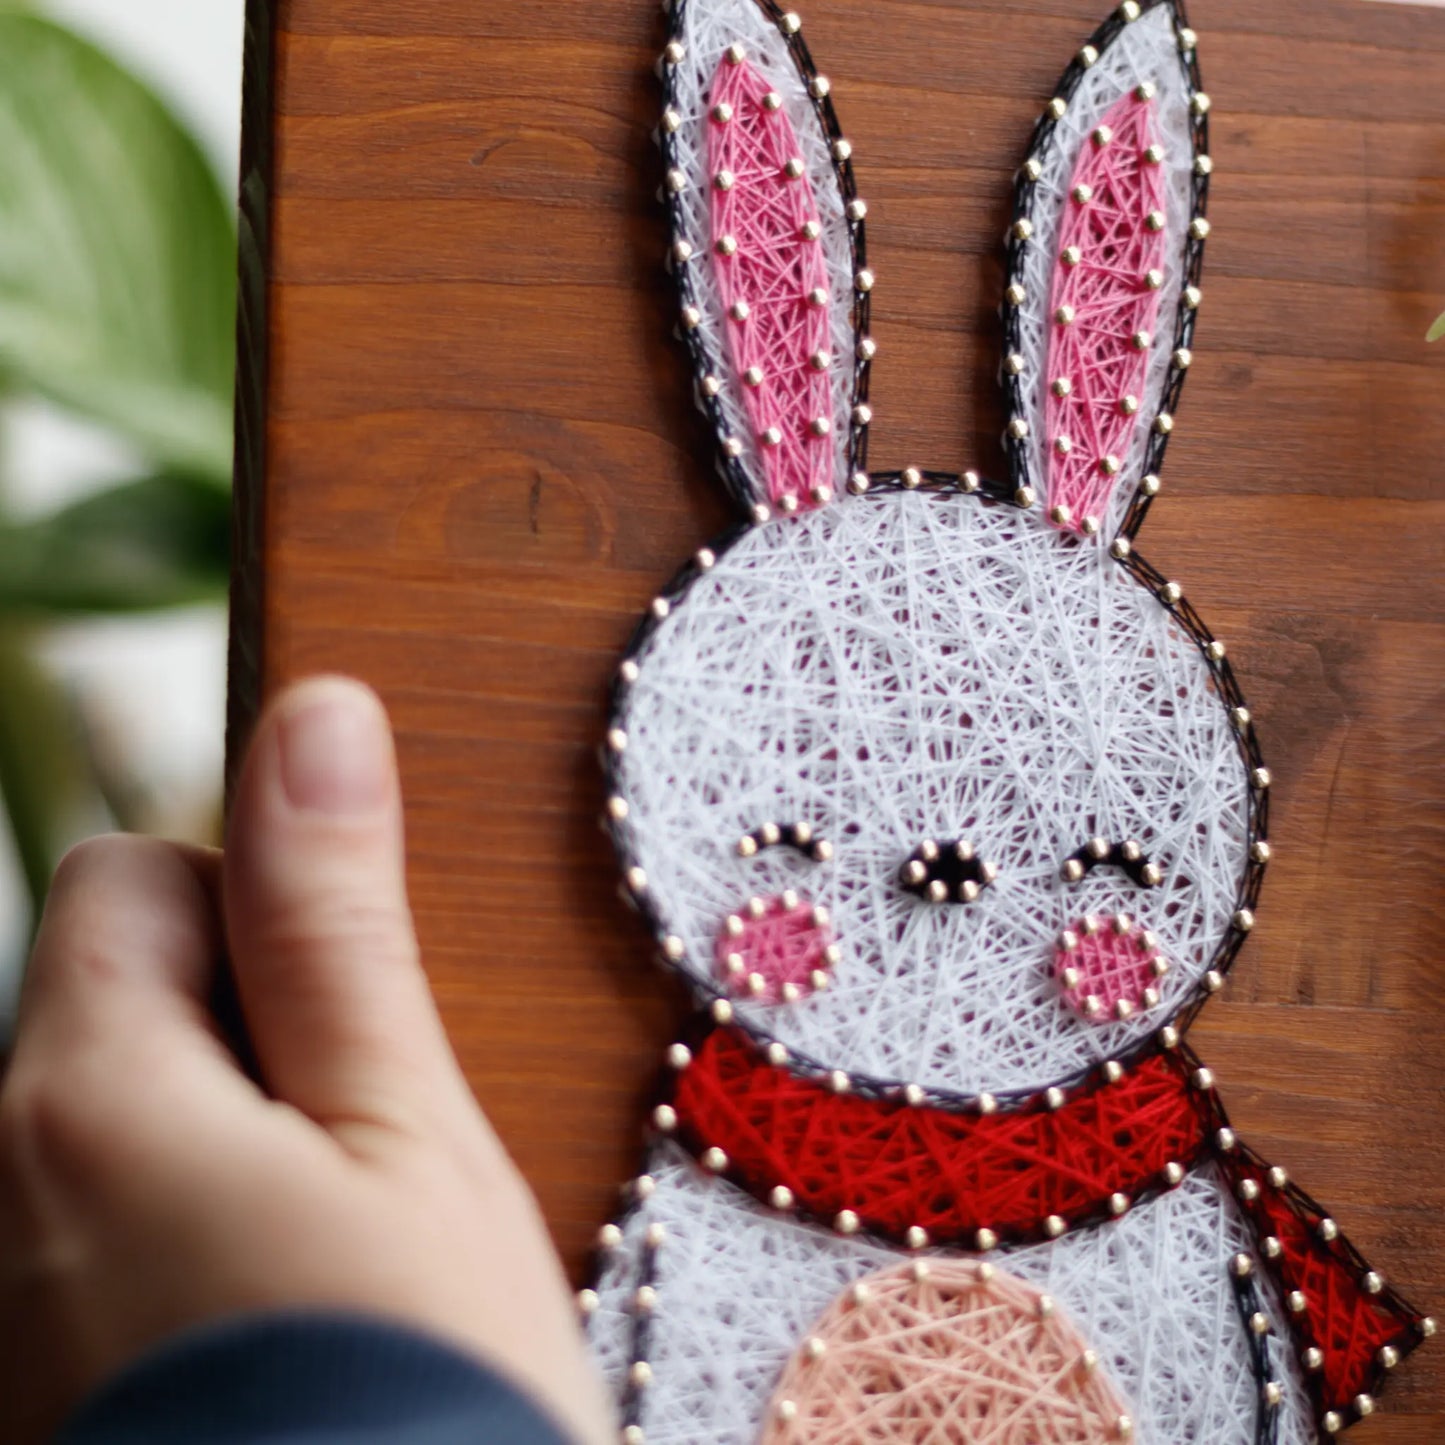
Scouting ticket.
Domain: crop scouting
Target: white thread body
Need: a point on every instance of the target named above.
(738, 1288)
(1145, 51)
(901, 667)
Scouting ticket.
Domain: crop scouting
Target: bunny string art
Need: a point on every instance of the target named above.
(949, 810)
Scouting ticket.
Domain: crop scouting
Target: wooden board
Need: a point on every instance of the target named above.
(468, 459)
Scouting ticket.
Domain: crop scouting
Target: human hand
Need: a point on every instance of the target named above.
(147, 1184)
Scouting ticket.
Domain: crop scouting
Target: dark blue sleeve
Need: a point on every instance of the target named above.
(301, 1379)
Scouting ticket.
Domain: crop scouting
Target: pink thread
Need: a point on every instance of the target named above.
(944, 1350)
(1107, 968)
(769, 263)
(1104, 308)
(775, 949)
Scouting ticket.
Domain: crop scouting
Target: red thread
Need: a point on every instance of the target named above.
(1107, 967)
(968, 1178)
(769, 263)
(775, 950)
(1104, 308)
(951, 1173)
(1346, 1323)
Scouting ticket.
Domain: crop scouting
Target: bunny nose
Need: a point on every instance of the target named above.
(1108, 967)
(946, 872)
(776, 949)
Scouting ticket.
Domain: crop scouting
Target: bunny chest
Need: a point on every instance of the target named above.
(753, 1324)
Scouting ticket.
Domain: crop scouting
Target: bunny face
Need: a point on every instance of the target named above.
(935, 781)
(906, 667)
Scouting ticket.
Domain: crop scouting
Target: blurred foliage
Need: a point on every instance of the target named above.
(1437, 328)
(117, 258)
(117, 303)
(160, 541)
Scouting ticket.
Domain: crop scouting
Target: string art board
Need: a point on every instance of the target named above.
(948, 809)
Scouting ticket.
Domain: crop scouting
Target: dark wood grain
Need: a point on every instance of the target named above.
(248, 505)
(476, 461)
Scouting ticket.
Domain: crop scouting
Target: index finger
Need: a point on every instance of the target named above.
(130, 941)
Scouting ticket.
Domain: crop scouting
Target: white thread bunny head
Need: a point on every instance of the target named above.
(934, 780)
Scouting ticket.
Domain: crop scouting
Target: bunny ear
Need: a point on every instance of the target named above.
(768, 251)
(1105, 253)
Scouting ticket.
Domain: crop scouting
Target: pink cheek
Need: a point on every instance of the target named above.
(777, 949)
(1108, 968)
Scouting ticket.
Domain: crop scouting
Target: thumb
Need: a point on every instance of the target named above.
(325, 957)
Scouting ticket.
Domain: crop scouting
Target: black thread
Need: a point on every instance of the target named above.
(1247, 1299)
(951, 866)
(802, 837)
(1016, 448)
(630, 1407)
(1116, 855)
(732, 470)
(985, 492)
(1410, 1335)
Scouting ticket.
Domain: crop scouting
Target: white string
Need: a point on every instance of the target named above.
(901, 667)
(1145, 50)
(710, 27)
(738, 1290)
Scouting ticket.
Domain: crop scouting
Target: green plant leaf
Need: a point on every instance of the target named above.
(1437, 330)
(117, 251)
(43, 765)
(161, 541)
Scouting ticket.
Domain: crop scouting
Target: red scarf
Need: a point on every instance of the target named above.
(858, 1160)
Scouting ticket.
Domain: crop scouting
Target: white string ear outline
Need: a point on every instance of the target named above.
(685, 76)
(1038, 195)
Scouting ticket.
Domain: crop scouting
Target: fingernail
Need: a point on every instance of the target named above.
(336, 754)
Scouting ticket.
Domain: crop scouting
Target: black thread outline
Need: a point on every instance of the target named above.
(1114, 858)
(1249, 1303)
(1222, 678)
(1016, 448)
(732, 470)
(630, 1406)
(1225, 684)
(735, 479)
(788, 838)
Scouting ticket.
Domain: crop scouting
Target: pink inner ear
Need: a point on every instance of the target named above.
(768, 259)
(1104, 309)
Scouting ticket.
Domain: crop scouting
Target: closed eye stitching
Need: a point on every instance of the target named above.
(787, 835)
(1128, 855)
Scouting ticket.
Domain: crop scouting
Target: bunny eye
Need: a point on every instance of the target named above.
(786, 835)
(1099, 852)
(946, 872)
